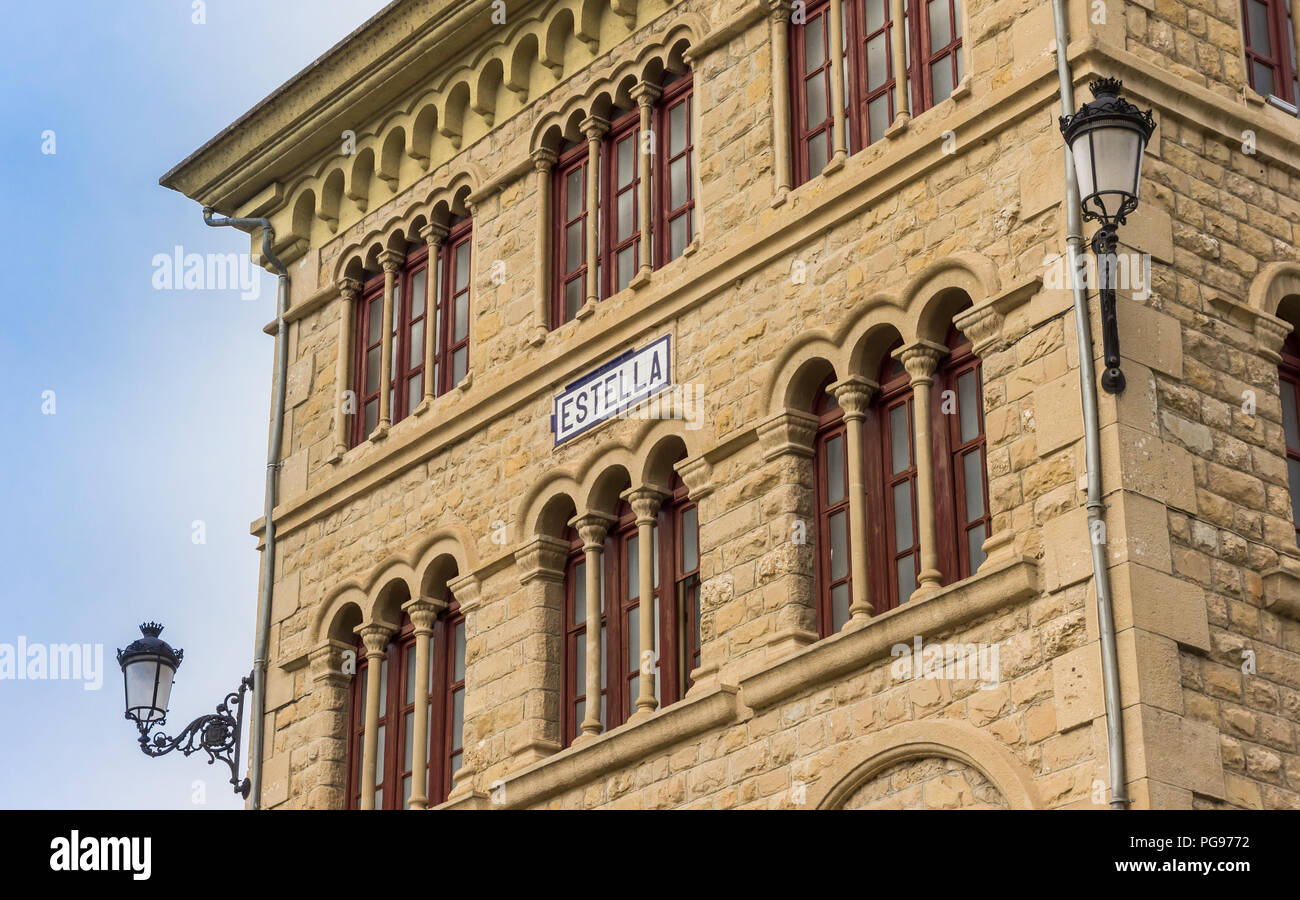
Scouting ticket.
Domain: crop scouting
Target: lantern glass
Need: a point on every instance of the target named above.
(148, 687)
(1108, 163)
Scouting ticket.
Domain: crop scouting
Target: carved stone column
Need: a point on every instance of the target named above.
(328, 685)
(594, 128)
(375, 637)
(645, 503)
(392, 261)
(697, 474)
(645, 94)
(349, 291)
(593, 528)
(839, 125)
(467, 589)
(779, 18)
(898, 46)
(854, 395)
(423, 612)
(920, 360)
(543, 164)
(433, 236)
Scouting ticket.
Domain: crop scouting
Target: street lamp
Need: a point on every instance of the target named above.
(149, 667)
(1107, 137)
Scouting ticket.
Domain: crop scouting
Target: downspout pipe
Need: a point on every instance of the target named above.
(261, 652)
(1092, 434)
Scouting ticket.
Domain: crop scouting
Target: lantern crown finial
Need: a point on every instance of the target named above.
(1109, 87)
(151, 629)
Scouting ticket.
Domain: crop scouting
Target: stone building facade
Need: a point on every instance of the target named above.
(803, 279)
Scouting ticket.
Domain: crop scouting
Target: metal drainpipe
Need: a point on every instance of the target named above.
(260, 653)
(1092, 437)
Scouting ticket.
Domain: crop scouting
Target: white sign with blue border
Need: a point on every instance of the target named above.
(619, 384)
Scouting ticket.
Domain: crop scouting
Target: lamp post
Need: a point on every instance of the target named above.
(1107, 137)
(149, 667)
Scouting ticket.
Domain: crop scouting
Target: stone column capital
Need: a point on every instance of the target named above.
(434, 234)
(853, 394)
(349, 289)
(983, 326)
(1271, 332)
(697, 474)
(423, 612)
(543, 559)
(790, 431)
(921, 359)
(325, 662)
(375, 637)
(778, 11)
(645, 502)
(544, 159)
(594, 127)
(645, 93)
(392, 260)
(593, 528)
(466, 589)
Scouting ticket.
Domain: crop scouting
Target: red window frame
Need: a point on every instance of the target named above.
(1289, 394)
(1278, 57)
(677, 623)
(393, 771)
(964, 427)
(410, 318)
(919, 37)
(885, 477)
(569, 264)
(831, 503)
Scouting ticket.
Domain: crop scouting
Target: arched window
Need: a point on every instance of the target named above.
(1289, 382)
(831, 503)
(621, 169)
(960, 392)
(394, 760)
(676, 560)
(894, 550)
(450, 323)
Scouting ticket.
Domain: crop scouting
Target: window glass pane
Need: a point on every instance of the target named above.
(376, 325)
(878, 117)
(956, 27)
(875, 14)
(414, 392)
(940, 26)
(573, 246)
(815, 98)
(817, 154)
(906, 568)
(627, 160)
(690, 540)
(654, 557)
(900, 453)
(1289, 414)
(839, 606)
(678, 237)
(1263, 82)
(968, 406)
(941, 79)
(372, 415)
(408, 752)
(1259, 41)
(835, 470)
(410, 675)
(877, 67)
(379, 762)
(415, 357)
(462, 266)
(604, 666)
(839, 528)
(579, 576)
(406, 791)
(379, 797)
(579, 713)
(633, 642)
(461, 327)
(973, 474)
(458, 653)
(455, 761)
(419, 292)
(372, 370)
(383, 685)
(975, 546)
(573, 193)
(626, 267)
(572, 298)
(457, 718)
(580, 664)
(902, 515)
(459, 365)
(677, 128)
(364, 672)
(679, 176)
(814, 44)
(1293, 473)
(633, 568)
(626, 215)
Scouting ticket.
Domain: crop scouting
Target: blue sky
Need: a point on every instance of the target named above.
(160, 398)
